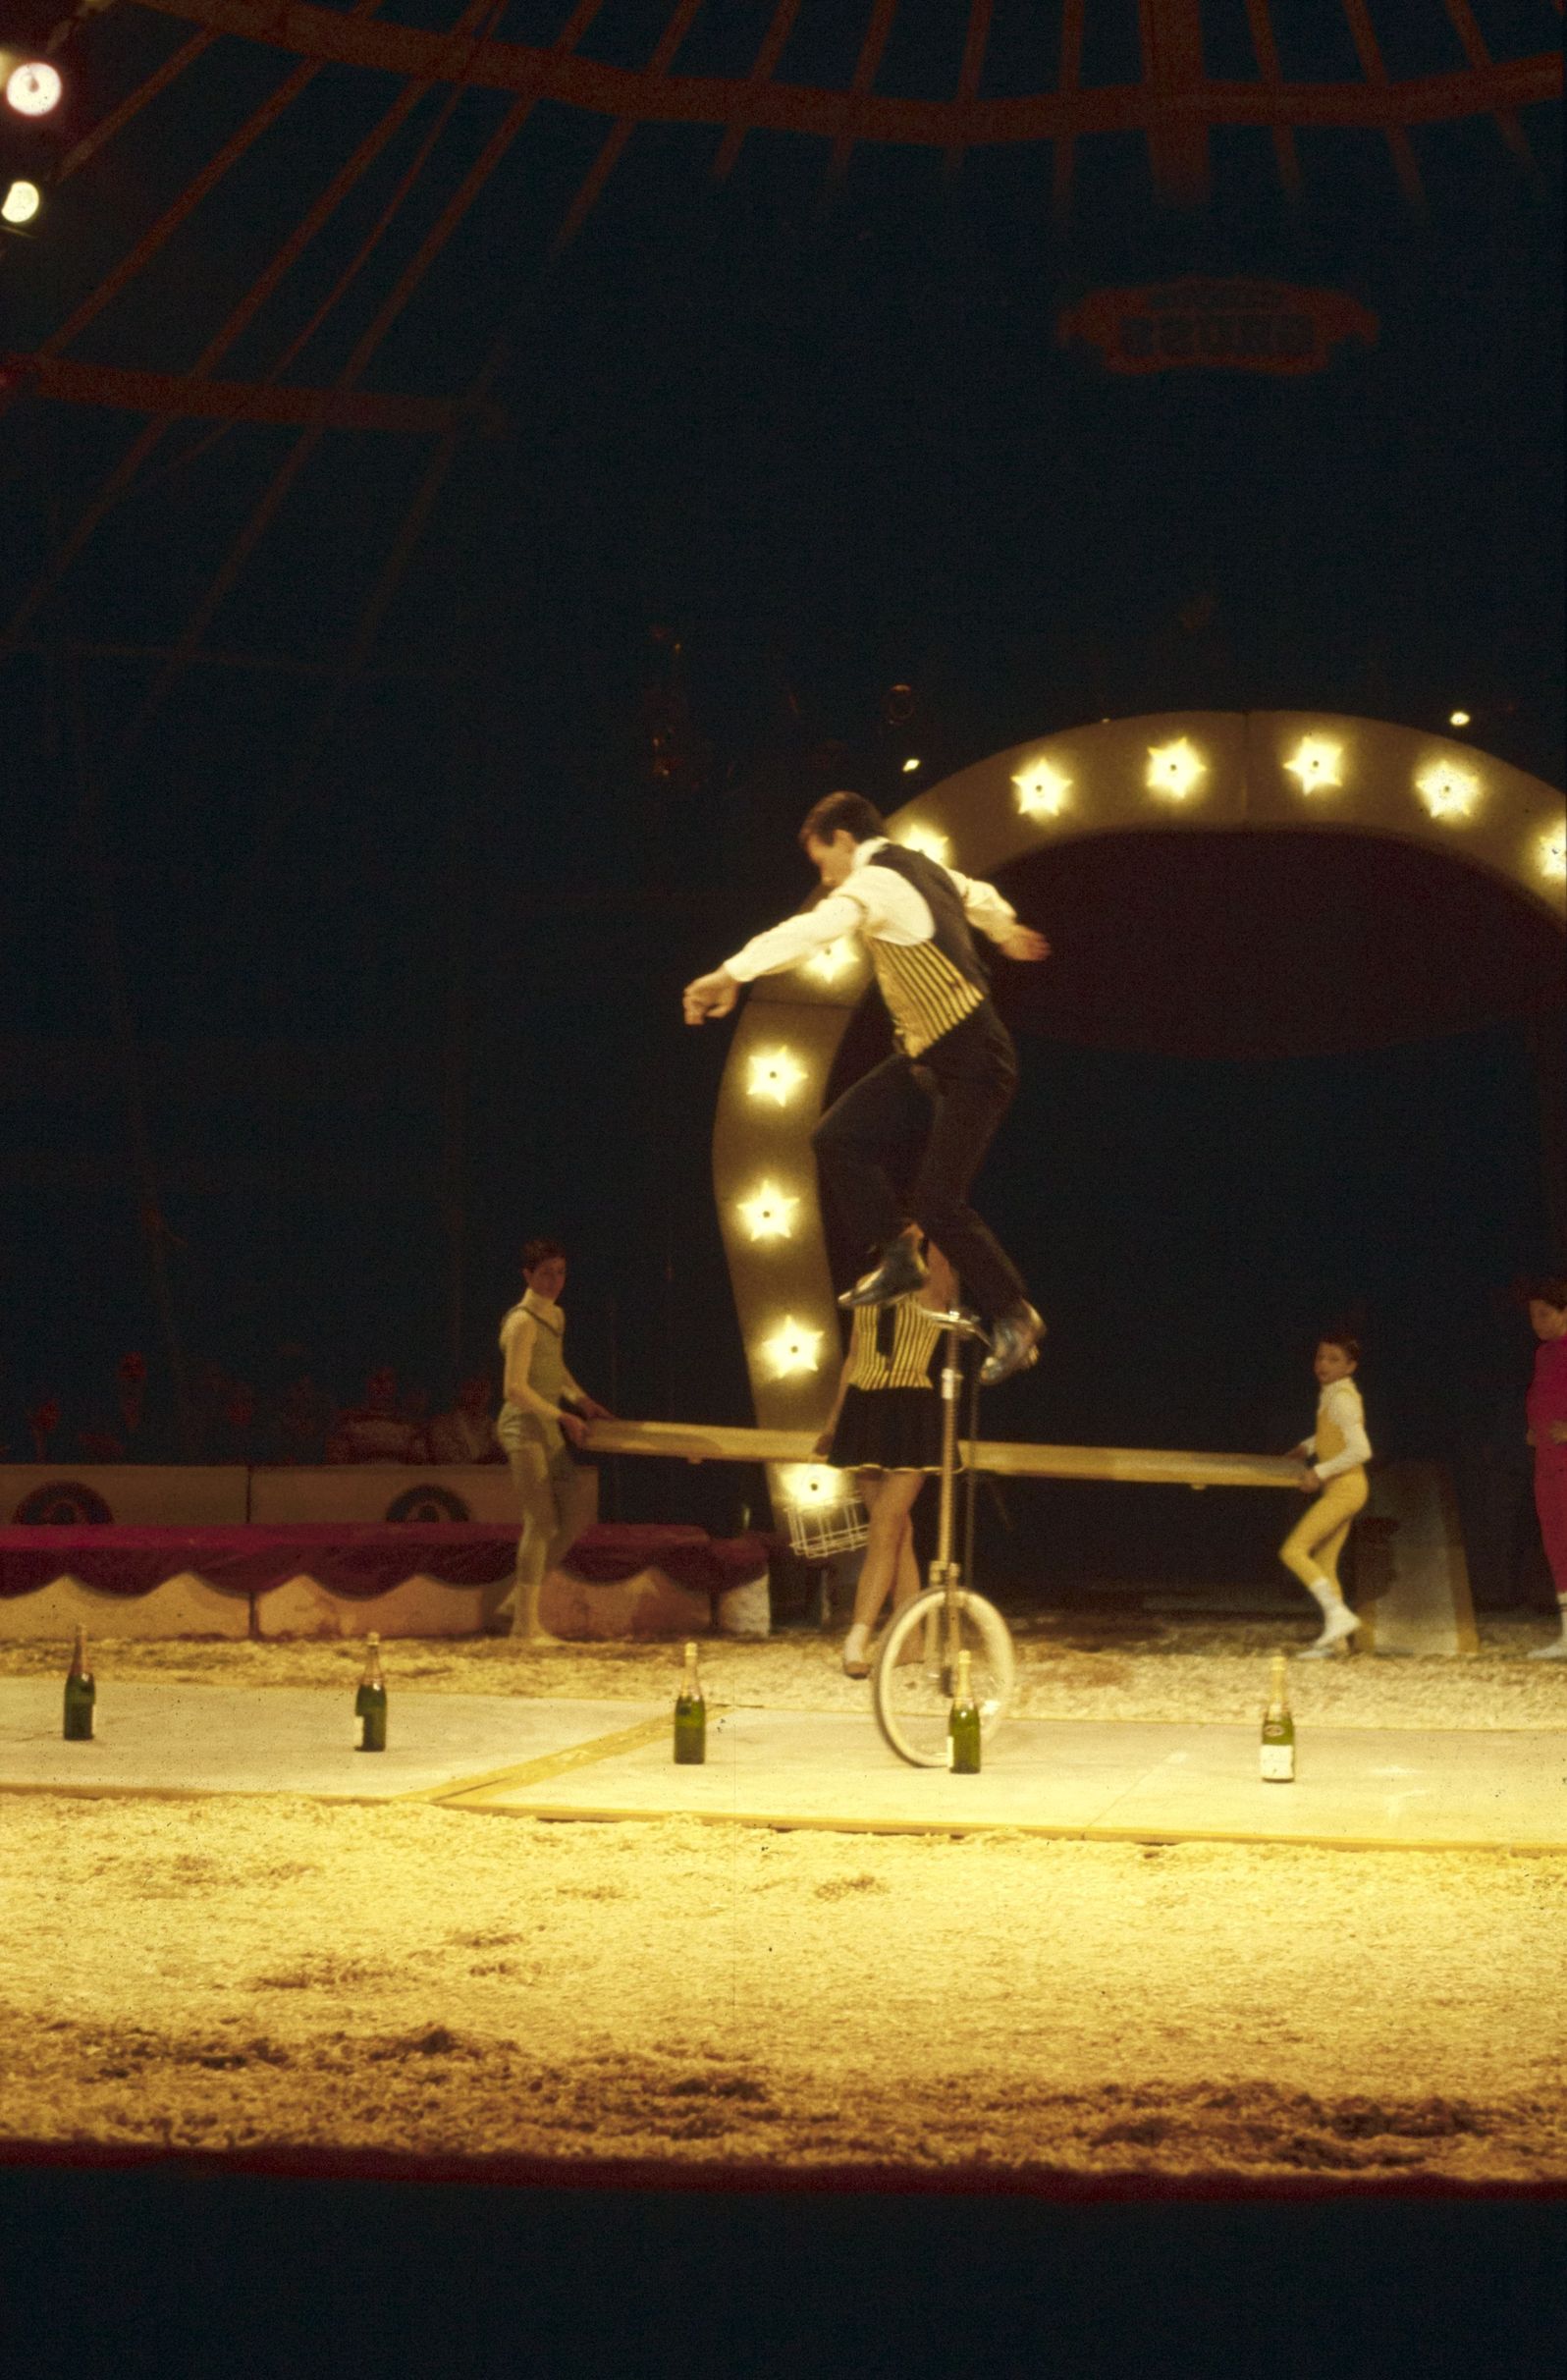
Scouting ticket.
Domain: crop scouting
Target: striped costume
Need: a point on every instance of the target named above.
(890, 1419)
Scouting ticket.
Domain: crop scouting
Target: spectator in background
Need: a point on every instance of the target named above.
(1548, 1434)
(378, 1430)
(236, 1439)
(126, 1436)
(303, 1413)
(466, 1434)
(43, 1423)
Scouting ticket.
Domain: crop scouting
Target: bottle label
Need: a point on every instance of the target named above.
(359, 1733)
(951, 1748)
(1279, 1763)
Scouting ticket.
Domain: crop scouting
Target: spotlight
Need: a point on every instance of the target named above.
(1458, 719)
(910, 765)
(20, 204)
(34, 89)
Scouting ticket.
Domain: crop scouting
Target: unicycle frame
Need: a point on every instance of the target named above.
(945, 1575)
(942, 1620)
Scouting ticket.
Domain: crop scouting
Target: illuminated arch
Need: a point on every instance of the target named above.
(1235, 771)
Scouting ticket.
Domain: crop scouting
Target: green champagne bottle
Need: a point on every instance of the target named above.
(691, 1716)
(963, 1725)
(1278, 1731)
(80, 1693)
(369, 1703)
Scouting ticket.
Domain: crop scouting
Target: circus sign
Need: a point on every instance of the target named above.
(1201, 325)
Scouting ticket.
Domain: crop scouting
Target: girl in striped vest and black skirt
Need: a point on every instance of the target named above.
(885, 1425)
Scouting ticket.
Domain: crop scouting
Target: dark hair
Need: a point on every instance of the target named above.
(1550, 1288)
(539, 1252)
(849, 811)
(1341, 1338)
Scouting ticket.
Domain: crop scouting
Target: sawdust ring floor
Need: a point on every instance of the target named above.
(275, 1973)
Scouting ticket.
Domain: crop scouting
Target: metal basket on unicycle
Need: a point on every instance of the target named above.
(817, 1532)
(916, 1666)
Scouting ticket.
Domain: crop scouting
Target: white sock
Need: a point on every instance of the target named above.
(855, 1642)
(1325, 1591)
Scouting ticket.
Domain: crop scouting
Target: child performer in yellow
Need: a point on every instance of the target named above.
(885, 1425)
(1338, 1451)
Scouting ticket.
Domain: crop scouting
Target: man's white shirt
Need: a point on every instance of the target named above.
(873, 901)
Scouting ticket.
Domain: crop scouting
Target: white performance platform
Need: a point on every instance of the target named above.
(1098, 1780)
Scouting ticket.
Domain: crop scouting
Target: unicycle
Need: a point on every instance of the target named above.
(916, 1667)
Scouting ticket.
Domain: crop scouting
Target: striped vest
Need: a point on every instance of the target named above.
(891, 1346)
(929, 987)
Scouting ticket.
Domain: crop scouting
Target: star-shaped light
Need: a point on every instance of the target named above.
(813, 1486)
(1173, 769)
(1447, 790)
(776, 1074)
(1553, 854)
(830, 962)
(1316, 763)
(793, 1347)
(934, 846)
(34, 89)
(768, 1212)
(1042, 789)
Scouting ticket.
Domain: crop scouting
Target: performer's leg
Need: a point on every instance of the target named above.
(854, 1141)
(1312, 1549)
(530, 1469)
(576, 1502)
(1328, 1553)
(974, 1074)
(888, 1499)
(1551, 1503)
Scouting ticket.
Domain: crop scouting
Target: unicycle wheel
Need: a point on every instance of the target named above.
(911, 1684)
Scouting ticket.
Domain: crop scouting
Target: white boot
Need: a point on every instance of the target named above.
(1556, 1649)
(1339, 1622)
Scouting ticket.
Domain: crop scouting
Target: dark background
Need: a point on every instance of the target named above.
(400, 956)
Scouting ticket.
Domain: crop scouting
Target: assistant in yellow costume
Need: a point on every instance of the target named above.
(1335, 1459)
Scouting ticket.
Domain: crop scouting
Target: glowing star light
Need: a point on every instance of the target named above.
(1042, 790)
(34, 89)
(1315, 764)
(21, 203)
(811, 1486)
(1447, 790)
(830, 962)
(926, 840)
(768, 1212)
(1173, 769)
(1553, 854)
(793, 1348)
(775, 1075)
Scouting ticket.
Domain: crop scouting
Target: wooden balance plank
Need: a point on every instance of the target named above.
(718, 1442)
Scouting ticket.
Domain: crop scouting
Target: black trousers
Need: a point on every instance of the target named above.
(954, 1094)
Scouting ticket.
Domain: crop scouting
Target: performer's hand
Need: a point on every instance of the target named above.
(574, 1428)
(712, 995)
(1021, 941)
(1307, 1480)
(592, 1411)
(823, 1447)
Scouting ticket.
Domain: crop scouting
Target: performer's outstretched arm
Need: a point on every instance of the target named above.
(780, 947)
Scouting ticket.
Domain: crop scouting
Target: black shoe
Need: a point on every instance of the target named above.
(901, 1268)
(1014, 1345)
